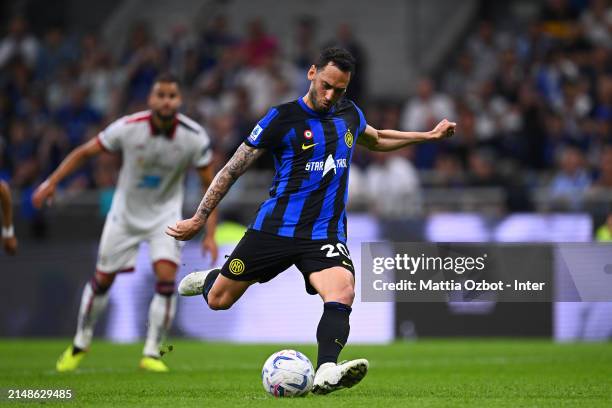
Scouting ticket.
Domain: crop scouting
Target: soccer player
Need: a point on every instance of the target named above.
(158, 147)
(9, 241)
(303, 223)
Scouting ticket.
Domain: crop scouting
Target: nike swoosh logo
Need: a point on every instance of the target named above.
(338, 343)
(347, 264)
(306, 147)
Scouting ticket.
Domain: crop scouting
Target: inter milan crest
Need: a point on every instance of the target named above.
(348, 138)
(236, 266)
(308, 134)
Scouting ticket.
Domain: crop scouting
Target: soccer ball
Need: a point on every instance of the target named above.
(287, 373)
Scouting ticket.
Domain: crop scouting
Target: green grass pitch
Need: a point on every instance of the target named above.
(426, 373)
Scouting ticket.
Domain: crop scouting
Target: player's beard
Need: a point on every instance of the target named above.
(165, 119)
(313, 96)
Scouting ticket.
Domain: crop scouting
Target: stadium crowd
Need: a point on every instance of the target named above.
(534, 105)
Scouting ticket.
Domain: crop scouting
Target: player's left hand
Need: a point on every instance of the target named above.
(210, 246)
(10, 245)
(186, 229)
(443, 129)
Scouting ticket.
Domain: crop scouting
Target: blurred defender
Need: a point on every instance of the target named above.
(9, 241)
(304, 221)
(158, 147)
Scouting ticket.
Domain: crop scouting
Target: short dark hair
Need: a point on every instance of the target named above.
(167, 77)
(340, 57)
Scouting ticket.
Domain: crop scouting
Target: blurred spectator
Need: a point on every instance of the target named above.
(483, 50)
(603, 182)
(484, 172)
(483, 169)
(101, 77)
(421, 113)
(18, 43)
(346, 39)
(460, 78)
(596, 22)
(447, 172)
(270, 83)
(22, 153)
(305, 50)
(259, 46)
(53, 147)
(55, 52)
(510, 76)
(529, 144)
(427, 108)
(571, 180)
(214, 41)
(559, 20)
(17, 85)
(77, 116)
(143, 61)
(180, 45)
(215, 86)
(393, 184)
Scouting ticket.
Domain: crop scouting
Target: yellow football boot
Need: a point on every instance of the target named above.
(69, 361)
(154, 365)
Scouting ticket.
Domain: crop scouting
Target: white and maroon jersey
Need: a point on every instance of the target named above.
(150, 186)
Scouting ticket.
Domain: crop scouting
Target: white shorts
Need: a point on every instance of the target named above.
(119, 246)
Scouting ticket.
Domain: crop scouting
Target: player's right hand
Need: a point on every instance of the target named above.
(186, 229)
(43, 194)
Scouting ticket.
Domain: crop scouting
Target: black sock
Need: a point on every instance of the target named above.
(209, 281)
(332, 332)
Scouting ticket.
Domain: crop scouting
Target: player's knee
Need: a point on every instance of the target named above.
(344, 295)
(347, 296)
(219, 302)
(165, 270)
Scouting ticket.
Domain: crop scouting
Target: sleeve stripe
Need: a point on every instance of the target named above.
(268, 118)
(362, 121)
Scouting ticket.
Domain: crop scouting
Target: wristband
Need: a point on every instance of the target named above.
(8, 232)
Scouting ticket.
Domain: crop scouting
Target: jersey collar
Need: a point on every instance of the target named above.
(168, 134)
(311, 112)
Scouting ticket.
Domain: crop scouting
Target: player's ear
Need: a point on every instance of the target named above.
(312, 72)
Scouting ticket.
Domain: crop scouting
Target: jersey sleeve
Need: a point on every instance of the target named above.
(362, 119)
(267, 133)
(203, 152)
(111, 138)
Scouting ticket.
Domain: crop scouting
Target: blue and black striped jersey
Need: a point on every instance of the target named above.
(312, 154)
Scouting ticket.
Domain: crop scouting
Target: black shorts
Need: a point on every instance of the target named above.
(260, 256)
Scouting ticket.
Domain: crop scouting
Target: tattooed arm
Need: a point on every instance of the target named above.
(238, 164)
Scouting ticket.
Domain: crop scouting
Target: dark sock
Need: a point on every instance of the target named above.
(332, 332)
(209, 281)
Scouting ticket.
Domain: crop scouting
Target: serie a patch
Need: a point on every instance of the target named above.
(255, 133)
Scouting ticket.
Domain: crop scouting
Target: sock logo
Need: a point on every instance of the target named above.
(338, 343)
